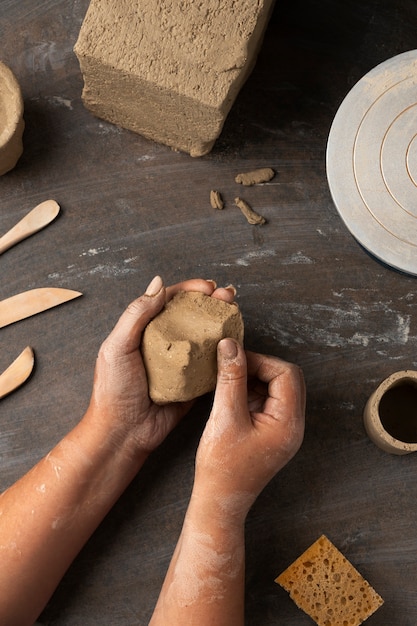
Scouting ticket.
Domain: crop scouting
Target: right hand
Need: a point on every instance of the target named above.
(256, 426)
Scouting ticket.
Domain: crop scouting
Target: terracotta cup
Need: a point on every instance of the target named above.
(11, 120)
(390, 415)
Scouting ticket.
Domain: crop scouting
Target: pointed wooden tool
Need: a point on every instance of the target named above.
(39, 217)
(17, 373)
(31, 302)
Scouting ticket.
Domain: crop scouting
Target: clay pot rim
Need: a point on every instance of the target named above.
(373, 424)
(13, 103)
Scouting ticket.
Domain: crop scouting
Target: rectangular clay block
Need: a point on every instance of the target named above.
(169, 69)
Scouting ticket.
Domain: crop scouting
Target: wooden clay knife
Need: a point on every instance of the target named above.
(31, 302)
(37, 218)
(17, 372)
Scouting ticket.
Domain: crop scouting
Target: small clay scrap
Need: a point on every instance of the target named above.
(216, 200)
(249, 213)
(179, 345)
(255, 177)
(326, 586)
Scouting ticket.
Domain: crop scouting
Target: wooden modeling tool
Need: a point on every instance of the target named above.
(17, 373)
(31, 302)
(39, 217)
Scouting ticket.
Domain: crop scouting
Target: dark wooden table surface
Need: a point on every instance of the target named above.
(308, 292)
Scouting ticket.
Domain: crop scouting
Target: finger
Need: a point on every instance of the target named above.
(286, 395)
(207, 287)
(286, 387)
(127, 333)
(231, 396)
(227, 293)
(265, 367)
(194, 284)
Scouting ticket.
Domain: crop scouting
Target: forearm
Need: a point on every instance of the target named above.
(49, 514)
(204, 585)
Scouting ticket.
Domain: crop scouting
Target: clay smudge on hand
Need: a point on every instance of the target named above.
(55, 464)
(235, 504)
(198, 547)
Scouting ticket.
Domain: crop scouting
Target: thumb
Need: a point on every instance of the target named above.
(128, 330)
(231, 389)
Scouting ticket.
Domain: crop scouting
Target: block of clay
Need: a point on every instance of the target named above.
(169, 70)
(326, 586)
(179, 345)
(11, 120)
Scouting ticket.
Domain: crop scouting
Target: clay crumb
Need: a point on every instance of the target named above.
(255, 177)
(216, 200)
(249, 213)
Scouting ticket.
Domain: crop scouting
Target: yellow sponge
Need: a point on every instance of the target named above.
(328, 588)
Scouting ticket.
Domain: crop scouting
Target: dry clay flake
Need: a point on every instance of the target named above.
(179, 345)
(328, 588)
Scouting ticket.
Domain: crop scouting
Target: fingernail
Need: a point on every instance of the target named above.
(154, 286)
(212, 282)
(232, 289)
(228, 349)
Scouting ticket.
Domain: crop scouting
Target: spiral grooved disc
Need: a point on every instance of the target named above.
(372, 161)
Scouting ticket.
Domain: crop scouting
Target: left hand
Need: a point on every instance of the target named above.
(120, 396)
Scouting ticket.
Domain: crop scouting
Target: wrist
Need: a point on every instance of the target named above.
(209, 501)
(114, 439)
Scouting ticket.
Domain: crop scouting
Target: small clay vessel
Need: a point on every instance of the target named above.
(390, 415)
(11, 120)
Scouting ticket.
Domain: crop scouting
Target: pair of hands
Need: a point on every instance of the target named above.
(257, 421)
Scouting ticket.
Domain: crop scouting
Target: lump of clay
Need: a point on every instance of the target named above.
(179, 345)
(11, 120)
(169, 70)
